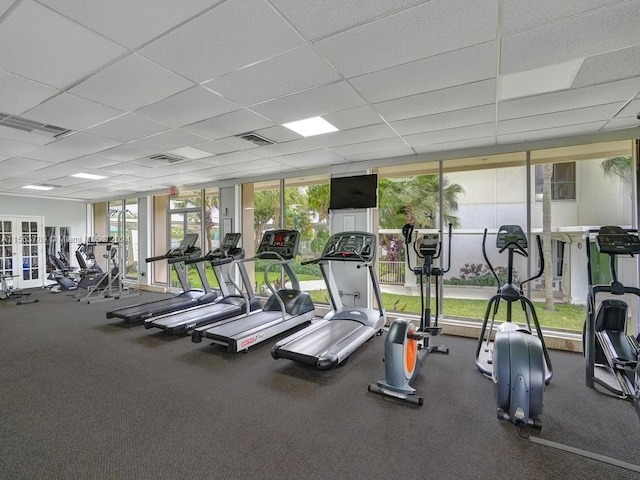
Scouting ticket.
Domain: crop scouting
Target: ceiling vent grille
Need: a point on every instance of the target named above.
(31, 126)
(256, 139)
(166, 158)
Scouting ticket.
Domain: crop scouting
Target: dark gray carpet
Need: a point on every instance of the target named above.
(83, 397)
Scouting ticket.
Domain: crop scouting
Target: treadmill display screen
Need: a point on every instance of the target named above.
(280, 239)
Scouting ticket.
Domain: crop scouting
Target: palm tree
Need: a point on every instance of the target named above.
(547, 174)
(618, 166)
(414, 200)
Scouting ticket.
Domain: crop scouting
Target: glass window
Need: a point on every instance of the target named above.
(563, 181)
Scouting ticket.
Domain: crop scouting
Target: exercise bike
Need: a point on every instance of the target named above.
(516, 360)
(406, 347)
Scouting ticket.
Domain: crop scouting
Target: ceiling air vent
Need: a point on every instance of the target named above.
(166, 158)
(26, 125)
(256, 139)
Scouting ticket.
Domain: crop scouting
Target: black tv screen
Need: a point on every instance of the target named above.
(360, 191)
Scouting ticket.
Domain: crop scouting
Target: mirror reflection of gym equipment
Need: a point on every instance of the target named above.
(612, 356)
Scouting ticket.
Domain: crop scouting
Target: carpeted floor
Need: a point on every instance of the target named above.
(84, 397)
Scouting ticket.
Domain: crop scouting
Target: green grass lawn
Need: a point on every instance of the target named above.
(565, 317)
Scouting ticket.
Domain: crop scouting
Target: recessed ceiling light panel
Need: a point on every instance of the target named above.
(38, 187)
(311, 126)
(88, 176)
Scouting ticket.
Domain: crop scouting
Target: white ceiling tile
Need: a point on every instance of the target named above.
(632, 109)
(451, 135)
(126, 168)
(442, 121)
(576, 37)
(245, 32)
(130, 23)
(216, 148)
(170, 140)
(559, 119)
(542, 134)
(187, 107)
(234, 123)
(608, 67)
(27, 137)
(71, 112)
(11, 148)
(4, 5)
(51, 172)
(264, 80)
(353, 118)
(175, 169)
(379, 146)
(89, 163)
(411, 35)
(237, 143)
(312, 159)
(318, 19)
(20, 94)
(127, 127)
(456, 145)
(398, 152)
(279, 134)
(356, 135)
(131, 83)
(126, 153)
(448, 99)
(76, 145)
(286, 148)
(214, 173)
(231, 159)
(570, 99)
(460, 67)
(23, 166)
(622, 122)
(311, 103)
(56, 51)
(516, 15)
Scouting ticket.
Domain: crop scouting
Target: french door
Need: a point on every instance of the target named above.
(21, 250)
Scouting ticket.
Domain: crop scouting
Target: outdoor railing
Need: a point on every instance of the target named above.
(391, 273)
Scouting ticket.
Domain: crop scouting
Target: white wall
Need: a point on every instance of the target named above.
(56, 213)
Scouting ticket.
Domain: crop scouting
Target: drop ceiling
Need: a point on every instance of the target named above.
(404, 81)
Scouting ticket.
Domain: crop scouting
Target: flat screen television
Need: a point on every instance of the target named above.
(359, 191)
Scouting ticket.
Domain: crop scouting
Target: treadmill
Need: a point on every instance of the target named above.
(283, 310)
(612, 356)
(328, 343)
(227, 306)
(187, 298)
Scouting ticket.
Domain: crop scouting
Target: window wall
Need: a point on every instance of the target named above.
(486, 192)
(184, 216)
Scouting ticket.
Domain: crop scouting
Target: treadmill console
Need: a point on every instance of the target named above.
(616, 240)
(360, 246)
(229, 247)
(187, 247)
(279, 244)
(511, 235)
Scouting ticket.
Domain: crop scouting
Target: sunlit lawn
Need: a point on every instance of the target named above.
(566, 316)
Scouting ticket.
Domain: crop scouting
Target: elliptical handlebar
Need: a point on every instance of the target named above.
(540, 262)
(486, 257)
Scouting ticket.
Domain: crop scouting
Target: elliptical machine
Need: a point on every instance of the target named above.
(516, 360)
(406, 347)
(612, 357)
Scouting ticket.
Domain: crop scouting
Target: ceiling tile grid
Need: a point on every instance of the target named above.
(132, 79)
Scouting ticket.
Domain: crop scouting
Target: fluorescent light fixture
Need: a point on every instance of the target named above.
(190, 153)
(38, 187)
(551, 78)
(88, 176)
(310, 126)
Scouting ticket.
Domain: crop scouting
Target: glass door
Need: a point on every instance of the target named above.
(22, 256)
